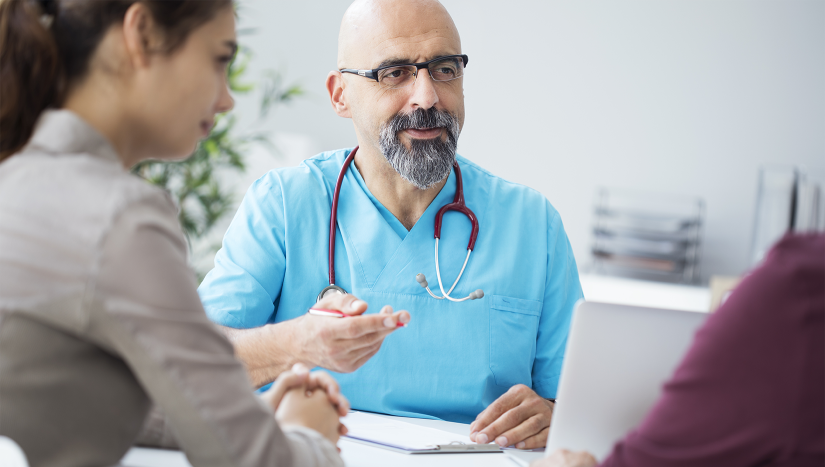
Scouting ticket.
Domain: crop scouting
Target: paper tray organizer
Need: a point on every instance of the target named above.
(647, 235)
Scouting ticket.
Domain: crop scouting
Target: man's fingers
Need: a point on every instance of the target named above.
(494, 411)
(366, 324)
(349, 304)
(369, 354)
(358, 345)
(510, 420)
(403, 317)
(519, 423)
(538, 440)
(348, 356)
(392, 320)
(346, 341)
(532, 433)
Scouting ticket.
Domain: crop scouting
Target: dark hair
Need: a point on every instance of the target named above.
(46, 45)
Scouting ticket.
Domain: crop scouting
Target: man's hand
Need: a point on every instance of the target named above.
(519, 418)
(341, 345)
(344, 345)
(565, 458)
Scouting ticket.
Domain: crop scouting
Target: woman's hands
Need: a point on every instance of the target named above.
(312, 410)
(312, 400)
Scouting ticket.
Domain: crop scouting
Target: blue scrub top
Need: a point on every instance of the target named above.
(454, 359)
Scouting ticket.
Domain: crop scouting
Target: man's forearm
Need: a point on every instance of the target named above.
(266, 351)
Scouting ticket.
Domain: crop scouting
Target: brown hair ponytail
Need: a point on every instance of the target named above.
(46, 45)
(30, 70)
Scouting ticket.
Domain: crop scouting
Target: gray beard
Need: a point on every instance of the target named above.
(428, 161)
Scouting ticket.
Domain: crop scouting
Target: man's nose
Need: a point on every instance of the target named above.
(424, 94)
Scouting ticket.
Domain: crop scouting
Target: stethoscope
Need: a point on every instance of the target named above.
(456, 205)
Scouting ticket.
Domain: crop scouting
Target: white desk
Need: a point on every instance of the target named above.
(357, 455)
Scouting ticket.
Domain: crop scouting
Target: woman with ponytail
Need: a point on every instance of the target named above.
(100, 321)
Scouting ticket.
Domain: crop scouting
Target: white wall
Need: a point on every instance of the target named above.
(684, 97)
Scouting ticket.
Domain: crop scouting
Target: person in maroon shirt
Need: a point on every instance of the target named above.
(751, 389)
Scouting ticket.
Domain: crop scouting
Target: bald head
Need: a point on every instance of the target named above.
(377, 30)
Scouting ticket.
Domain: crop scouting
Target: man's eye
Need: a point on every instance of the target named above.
(395, 75)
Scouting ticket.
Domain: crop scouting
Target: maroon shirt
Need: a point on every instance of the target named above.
(751, 390)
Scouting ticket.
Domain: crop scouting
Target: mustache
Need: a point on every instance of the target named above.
(420, 119)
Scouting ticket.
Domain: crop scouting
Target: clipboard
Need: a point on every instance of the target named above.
(395, 434)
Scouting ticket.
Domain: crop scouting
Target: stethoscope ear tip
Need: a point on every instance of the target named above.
(421, 279)
(477, 294)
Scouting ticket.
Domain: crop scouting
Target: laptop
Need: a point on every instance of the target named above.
(616, 361)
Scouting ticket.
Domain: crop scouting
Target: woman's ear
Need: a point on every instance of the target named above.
(140, 35)
(337, 97)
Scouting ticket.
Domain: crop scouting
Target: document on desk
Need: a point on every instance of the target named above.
(398, 435)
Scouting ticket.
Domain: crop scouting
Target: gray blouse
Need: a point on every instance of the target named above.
(100, 318)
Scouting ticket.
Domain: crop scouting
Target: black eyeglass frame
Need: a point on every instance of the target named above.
(373, 74)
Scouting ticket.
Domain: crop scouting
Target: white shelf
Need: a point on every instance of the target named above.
(635, 292)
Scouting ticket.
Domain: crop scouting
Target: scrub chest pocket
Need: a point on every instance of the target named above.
(514, 325)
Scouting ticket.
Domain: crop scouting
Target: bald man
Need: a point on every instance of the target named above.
(484, 341)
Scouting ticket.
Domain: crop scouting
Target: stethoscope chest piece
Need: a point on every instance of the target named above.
(329, 291)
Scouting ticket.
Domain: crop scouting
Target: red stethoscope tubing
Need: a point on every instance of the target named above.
(334, 215)
(456, 205)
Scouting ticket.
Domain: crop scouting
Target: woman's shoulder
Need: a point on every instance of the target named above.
(56, 213)
(82, 192)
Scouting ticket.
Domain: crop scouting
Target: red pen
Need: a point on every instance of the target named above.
(338, 314)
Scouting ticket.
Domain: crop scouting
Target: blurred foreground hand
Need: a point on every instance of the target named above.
(312, 400)
(565, 458)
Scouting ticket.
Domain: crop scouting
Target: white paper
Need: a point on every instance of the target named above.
(398, 434)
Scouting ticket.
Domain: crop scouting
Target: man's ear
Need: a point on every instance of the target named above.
(337, 97)
(140, 35)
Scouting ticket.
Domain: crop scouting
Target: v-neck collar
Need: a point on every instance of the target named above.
(376, 245)
(388, 216)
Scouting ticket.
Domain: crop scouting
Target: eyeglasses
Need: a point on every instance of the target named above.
(446, 68)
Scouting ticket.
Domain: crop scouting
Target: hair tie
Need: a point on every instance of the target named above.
(49, 9)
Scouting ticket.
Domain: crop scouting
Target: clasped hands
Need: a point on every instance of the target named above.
(312, 400)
